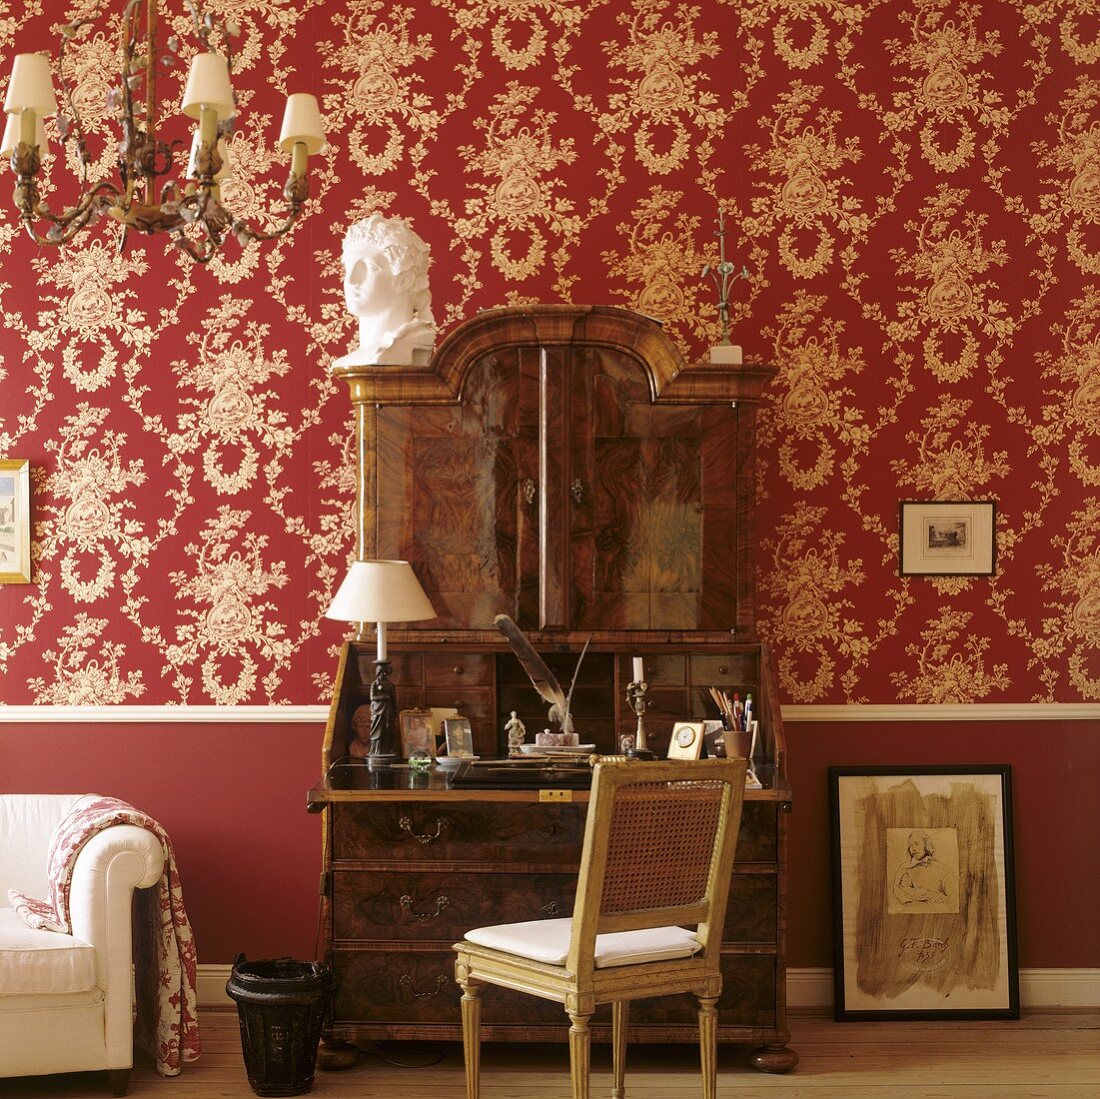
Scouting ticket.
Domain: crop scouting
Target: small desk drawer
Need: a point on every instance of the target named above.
(460, 831)
(442, 906)
(458, 670)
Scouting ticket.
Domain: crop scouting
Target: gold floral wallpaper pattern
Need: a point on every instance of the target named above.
(913, 185)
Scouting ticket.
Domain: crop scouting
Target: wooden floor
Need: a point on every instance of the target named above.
(1044, 1054)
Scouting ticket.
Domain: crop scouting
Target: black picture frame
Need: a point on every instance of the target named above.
(924, 907)
(947, 538)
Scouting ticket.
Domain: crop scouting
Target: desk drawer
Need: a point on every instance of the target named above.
(442, 906)
(379, 986)
(458, 670)
(375, 986)
(460, 832)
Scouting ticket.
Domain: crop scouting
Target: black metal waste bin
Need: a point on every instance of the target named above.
(281, 1006)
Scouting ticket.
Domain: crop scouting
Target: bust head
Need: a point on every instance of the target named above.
(386, 288)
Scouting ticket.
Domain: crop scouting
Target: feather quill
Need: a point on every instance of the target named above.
(542, 678)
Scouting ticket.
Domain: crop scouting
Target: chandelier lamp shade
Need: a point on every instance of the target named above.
(190, 209)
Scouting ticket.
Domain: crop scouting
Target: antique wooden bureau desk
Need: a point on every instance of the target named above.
(565, 466)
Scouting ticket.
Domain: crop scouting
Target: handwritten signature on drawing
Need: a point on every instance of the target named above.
(923, 953)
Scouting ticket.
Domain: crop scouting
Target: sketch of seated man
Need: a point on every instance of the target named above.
(386, 288)
(922, 882)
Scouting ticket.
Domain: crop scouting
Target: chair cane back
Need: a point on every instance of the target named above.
(656, 860)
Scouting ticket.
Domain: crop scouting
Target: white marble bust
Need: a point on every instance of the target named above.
(386, 287)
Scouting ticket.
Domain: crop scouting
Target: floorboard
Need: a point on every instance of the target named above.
(1044, 1054)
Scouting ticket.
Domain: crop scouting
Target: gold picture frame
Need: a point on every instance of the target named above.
(15, 521)
(686, 741)
(417, 731)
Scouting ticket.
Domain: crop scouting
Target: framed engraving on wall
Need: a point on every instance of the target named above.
(924, 914)
(15, 521)
(946, 537)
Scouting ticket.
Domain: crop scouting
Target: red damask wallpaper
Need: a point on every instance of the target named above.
(914, 188)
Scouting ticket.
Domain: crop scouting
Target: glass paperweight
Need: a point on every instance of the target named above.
(420, 759)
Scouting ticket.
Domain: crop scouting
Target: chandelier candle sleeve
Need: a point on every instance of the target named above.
(13, 134)
(639, 670)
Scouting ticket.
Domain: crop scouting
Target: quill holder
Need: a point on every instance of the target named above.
(635, 695)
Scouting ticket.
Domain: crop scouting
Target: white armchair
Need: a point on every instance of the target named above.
(65, 1000)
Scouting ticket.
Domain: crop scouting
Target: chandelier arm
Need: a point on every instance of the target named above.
(73, 219)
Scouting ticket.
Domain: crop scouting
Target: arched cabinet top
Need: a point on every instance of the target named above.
(671, 379)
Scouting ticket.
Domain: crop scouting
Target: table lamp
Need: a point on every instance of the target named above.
(381, 592)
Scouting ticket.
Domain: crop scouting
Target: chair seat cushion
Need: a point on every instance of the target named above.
(42, 962)
(548, 941)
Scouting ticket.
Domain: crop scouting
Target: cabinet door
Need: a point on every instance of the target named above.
(457, 493)
(650, 496)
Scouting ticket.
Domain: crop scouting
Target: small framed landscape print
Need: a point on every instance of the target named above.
(417, 732)
(460, 738)
(15, 521)
(946, 537)
(924, 913)
(686, 741)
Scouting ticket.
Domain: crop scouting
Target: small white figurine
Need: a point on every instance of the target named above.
(386, 287)
(517, 732)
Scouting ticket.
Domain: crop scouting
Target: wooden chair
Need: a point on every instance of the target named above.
(658, 853)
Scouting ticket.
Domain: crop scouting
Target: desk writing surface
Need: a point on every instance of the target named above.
(351, 779)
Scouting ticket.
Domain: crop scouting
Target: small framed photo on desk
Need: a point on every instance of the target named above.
(417, 732)
(460, 737)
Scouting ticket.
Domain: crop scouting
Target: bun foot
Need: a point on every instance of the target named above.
(334, 1055)
(774, 1058)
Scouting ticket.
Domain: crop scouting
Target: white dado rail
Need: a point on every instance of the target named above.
(992, 711)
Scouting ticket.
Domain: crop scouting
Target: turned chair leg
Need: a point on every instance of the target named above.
(580, 1052)
(620, 1014)
(471, 1037)
(119, 1079)
(708, 1045)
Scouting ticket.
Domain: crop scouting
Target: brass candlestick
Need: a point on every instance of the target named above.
(635, 695)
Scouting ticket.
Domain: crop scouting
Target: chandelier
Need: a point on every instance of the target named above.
(190, 211)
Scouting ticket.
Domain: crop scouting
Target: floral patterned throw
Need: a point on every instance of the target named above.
(164, 947)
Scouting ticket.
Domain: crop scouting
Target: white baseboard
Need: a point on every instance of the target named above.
(812, 989)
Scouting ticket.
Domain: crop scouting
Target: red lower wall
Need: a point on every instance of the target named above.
(232, 798)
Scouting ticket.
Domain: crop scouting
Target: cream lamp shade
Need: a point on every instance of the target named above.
(302, 122)
(11, 135)
(208, 86)
(380, 592)
(31, 86)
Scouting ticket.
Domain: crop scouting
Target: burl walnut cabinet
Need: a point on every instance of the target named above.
(565, 466)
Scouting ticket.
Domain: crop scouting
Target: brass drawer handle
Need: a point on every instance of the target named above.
(529, 491)
(406, 825)
(552, 908)
(441, 902)
(577, 488)
(406, 982)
